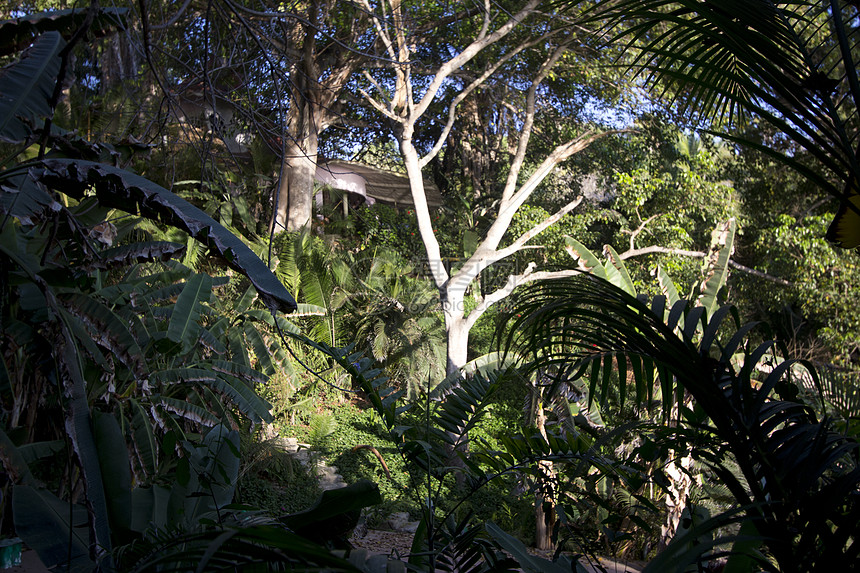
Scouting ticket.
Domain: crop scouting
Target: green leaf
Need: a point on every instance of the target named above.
(715, 268)
(667, 286)
(245, 301)
(222, 452)
(617, 273)
(42, 522)
(149, 508)
(335, 512)
(28, 86)
(5, 382)
(529, 563)
(24, 199)
(107, 329)
(183, 327)
(261, 350)
(18, 33)
(80, 430)
(116, 473)
(145, 252)
(15, 460)
(187, 410)
(144, 438)
(243, 396)
(39, 450)
(585, 259)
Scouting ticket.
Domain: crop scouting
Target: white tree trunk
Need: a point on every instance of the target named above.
(457, 335)
(402, 109)
(680, 483)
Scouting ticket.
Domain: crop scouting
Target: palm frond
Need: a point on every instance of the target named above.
(794, 468)
(792, 64)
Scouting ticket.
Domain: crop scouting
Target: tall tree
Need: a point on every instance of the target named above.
(322, 44)
(404, 92)
(291, 66)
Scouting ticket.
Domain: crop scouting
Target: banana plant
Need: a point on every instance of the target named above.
(91, 329)
(705, 296)
(792, 475)
(18, 33)
(199, 493)
(705, 293)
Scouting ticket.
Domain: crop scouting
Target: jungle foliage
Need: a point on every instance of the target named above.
(145, 343)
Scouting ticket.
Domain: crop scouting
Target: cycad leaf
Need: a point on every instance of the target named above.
(28, 86)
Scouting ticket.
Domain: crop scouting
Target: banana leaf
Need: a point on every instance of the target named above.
(132, 193)
(28, 86)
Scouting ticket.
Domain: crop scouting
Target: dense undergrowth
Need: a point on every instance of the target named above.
(137, 371)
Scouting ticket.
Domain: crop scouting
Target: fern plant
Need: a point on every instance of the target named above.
(440, 424)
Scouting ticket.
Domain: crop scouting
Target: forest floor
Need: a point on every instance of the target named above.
(397, 543)
(376, 542)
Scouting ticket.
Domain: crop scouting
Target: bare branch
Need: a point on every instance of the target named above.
(519, 244)
(477, 82)
(700, 255)
(484, 256)
(473, 49)
(376, 104)
(508, 208)
(529, 275)
(485, 27)
(380, 29)
(633, 234)
(528, 122)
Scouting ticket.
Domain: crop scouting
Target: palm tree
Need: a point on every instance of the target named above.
(794, 478)
(792, 65)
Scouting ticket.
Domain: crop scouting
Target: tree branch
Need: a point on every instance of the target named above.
(458, 61)
(700, 255)
(537, 229)
(477, 82)
(374, 103)
(526, 130)
(529, 275)
(633, 234)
